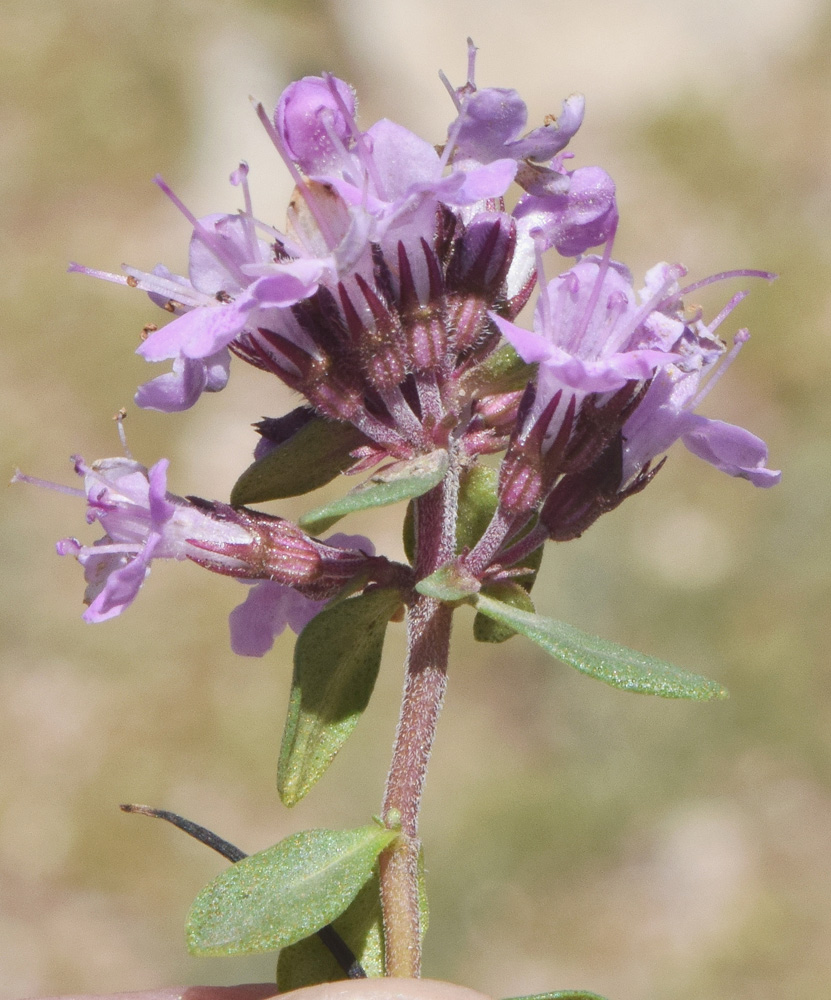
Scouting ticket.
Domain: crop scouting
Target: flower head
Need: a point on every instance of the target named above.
(382, 227)
(382, 302)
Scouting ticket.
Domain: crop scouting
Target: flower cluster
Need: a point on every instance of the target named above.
(390, 301)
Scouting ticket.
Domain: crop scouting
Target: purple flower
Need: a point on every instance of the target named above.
(490, 122)
(141, 522)
(296, 574)
(271, 607)
(666, 414)
(389, 181)
(571, 211)
(315, 118)
(371, 221)
(591, 336)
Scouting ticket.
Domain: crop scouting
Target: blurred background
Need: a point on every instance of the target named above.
(575, 836)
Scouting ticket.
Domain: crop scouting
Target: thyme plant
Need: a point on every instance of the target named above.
(390, 302)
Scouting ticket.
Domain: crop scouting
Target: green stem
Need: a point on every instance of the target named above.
(428, 634)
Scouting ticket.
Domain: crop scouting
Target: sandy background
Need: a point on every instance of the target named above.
(575, 836)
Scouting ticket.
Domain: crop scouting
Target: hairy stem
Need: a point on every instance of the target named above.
(428, 634)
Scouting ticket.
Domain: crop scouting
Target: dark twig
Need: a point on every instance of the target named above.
(340, 950)
(201, 833)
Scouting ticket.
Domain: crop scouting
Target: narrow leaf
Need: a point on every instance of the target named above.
(400, 481)
(310, 458)
(607, 661)
(285, 893)
(478, 485)
(336, 661)
(563, 995)
(361, 927)
(513, 594)
(448, 584)
(502, 371)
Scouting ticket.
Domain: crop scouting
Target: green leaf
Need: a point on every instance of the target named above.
(285, 893)
(400, 481)
(361, 927)
(513, 594)
(448, 584)
(477, 504)
(478, 486)
(502, 371)
(310, 458)
(336, 661)
(563, 995)
(607, 661)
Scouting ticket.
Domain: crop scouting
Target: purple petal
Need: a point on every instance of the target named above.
(161, 509)
(200, 333)
(583, 217)
(259, 619)
(121, 585)
(489, 181)
(401, 160)
(265, 613)
(179, 389)
(343, 541)
(529, 345)
(491, 118)
(296, 280)
(216, 370)
(605, 374)
(731, 449)
(305, 109)
(208, 273)
(543, 144)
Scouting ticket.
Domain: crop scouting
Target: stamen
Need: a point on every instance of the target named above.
(363, 151)
(741, 338)
(723, 275)
(454, 97)
(296, 176)
(326, 119)
(725, 312)
(213, 242)
(183, 294)
(92, 272)
(545, 302)
(656, 301)
(603, 267)
(119, 419)
(452, 136)
(239, 178)
(471, 64)
(20, 477)
(116, 549)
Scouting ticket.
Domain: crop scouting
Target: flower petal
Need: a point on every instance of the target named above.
(731, 449)
(200, 333)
